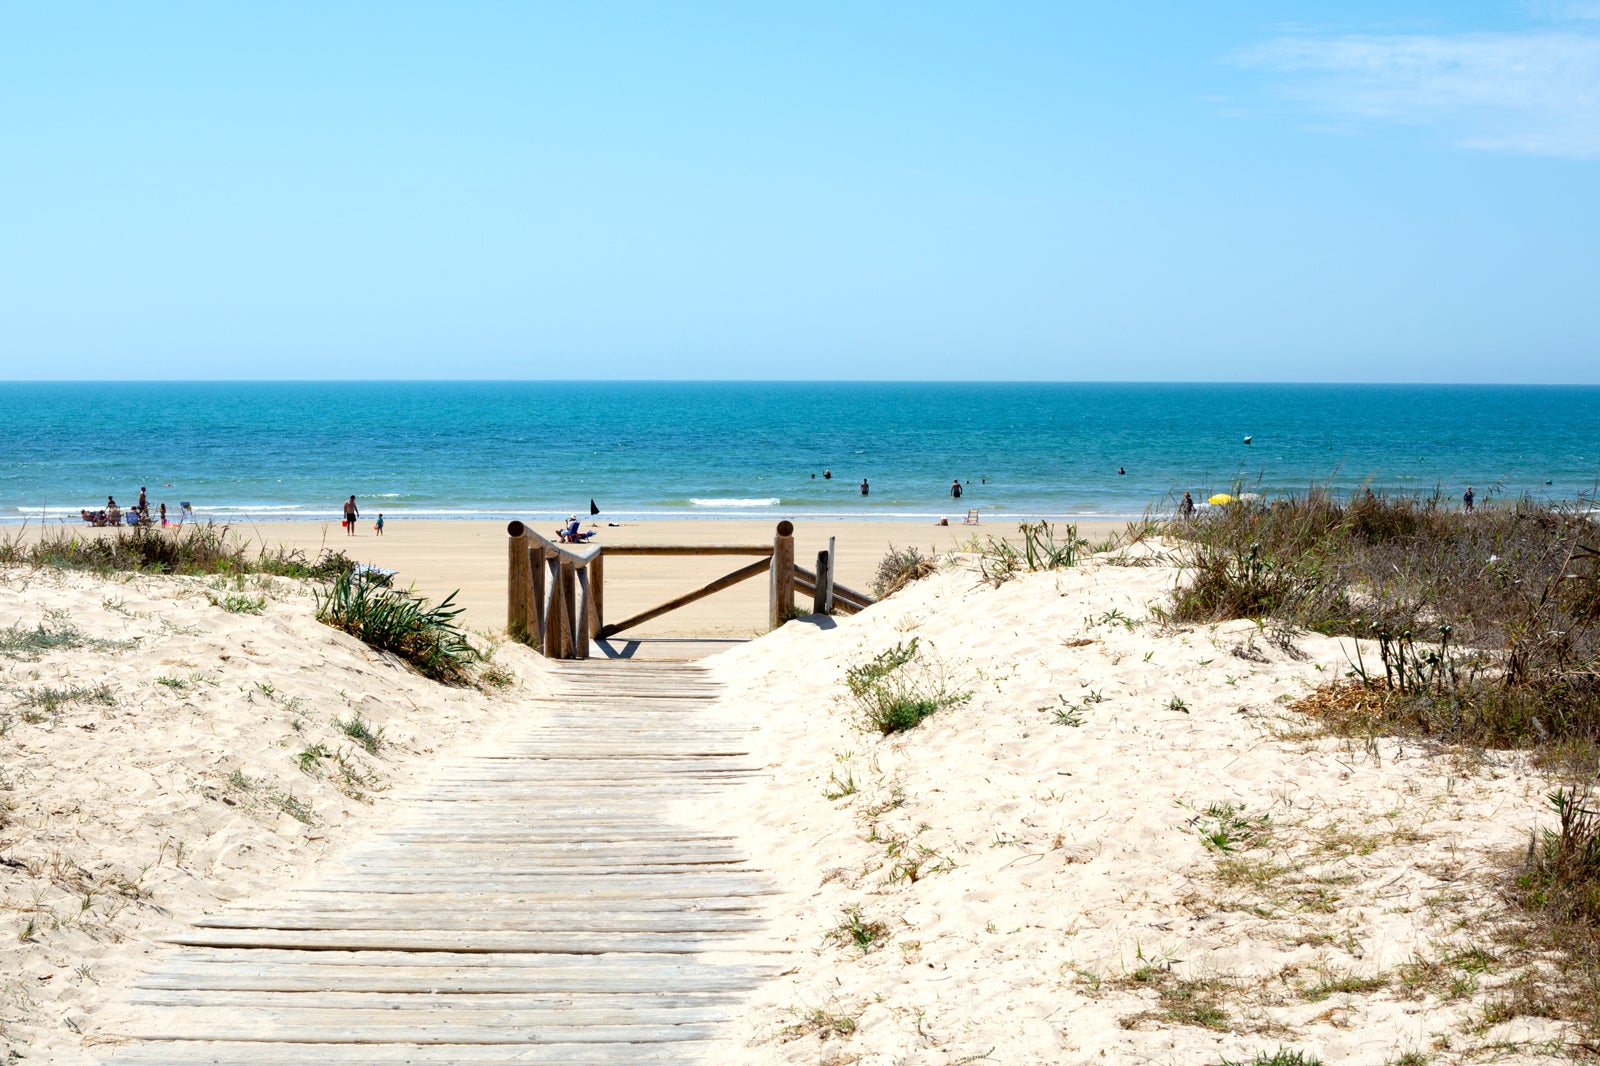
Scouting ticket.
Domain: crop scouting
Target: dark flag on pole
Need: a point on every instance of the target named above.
(593, 510)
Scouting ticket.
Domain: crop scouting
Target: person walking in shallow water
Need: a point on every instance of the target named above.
(955, 489)
(863, 486)
(351, 513)
(1466, 499)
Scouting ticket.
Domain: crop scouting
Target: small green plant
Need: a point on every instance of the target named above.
(360, 731)
(1562, 873)
(1226, 827)
(49, 700)
(311, 759)
(53, 634)
(176, 684)
(423, 634)
(837, 787)
(859, 679)
(1282, 1057)
(1065, 714)
(858, 931)
(822, 1023)
(240, 603)
(1176, 704)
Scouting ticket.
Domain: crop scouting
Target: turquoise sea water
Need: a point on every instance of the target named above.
(531, 449)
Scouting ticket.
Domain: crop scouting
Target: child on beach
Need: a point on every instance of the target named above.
(377, 527)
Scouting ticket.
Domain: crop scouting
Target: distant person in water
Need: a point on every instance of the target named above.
(351, 513)
(1186, 508)
(1120, 471)
(863, 486)
(1467, 498)
(955, 489)
(827, 475)
(377, 527)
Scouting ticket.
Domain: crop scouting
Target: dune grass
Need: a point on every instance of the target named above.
(393, 620)
(191, 549)
(1484, 632)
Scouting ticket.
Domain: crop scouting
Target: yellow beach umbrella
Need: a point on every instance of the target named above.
(1220, 498)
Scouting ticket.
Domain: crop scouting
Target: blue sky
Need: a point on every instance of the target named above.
(1398, 191)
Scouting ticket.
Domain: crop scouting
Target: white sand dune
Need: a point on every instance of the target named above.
(1043, 889)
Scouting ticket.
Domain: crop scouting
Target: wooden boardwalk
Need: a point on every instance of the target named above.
(531, 906)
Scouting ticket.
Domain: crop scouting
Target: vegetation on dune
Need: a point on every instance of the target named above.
(193, 549)
(393, 620)
(1487, 634)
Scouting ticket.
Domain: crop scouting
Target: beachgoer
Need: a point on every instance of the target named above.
(813, 477)
(1120, 471)
(351, 513)
(377, 526)
(1186, 508)
(144, 503)
(955, 489)
(1466, 499)
(863, 486)
(163, 515)
(827, 475)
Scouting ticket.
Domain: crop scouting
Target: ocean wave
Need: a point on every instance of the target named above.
(720, 501)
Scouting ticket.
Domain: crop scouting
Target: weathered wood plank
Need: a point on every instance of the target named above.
(533, 905)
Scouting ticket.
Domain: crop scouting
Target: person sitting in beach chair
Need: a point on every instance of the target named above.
(185, 511)
(568, 534)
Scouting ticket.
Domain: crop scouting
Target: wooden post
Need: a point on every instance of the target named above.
(518, 582)
(597, 582)
(833, 568)
(584, 630)
(781, 600)
(819, 595)
(571, 634)
(536, 608)
(555, 611)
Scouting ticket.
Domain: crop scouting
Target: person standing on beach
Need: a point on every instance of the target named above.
(144, 503)
(377, 526)
(351, 513)
(1186, 508)
(863, 486)
(163, 515)
(1466, 499)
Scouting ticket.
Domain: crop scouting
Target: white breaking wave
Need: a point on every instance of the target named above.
(718, 501)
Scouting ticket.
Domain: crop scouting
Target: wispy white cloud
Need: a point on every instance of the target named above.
(1536, 92)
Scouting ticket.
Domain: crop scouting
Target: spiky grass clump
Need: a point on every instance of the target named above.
(424, 635)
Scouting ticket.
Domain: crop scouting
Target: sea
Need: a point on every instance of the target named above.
(686, 450)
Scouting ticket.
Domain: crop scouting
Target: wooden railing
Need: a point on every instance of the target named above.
(555, 593)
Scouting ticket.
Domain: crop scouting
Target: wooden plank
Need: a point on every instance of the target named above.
(727, 580)
(224, 1053)
(489, 942)
(688, 549)
(532, 906)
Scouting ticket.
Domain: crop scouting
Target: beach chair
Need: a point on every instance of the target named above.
(972, 518)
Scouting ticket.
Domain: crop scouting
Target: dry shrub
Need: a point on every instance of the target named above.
(900, 568)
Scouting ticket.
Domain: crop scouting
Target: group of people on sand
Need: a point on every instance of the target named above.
(137, 515)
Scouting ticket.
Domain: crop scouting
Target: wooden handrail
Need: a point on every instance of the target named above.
(688, 549)
(556, 599)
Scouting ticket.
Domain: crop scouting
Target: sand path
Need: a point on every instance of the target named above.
(533, 904)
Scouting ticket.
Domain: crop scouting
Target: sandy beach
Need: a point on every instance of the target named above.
(469, 558)
(1034, 870)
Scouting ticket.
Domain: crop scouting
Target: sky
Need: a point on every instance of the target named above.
(1250, 191)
